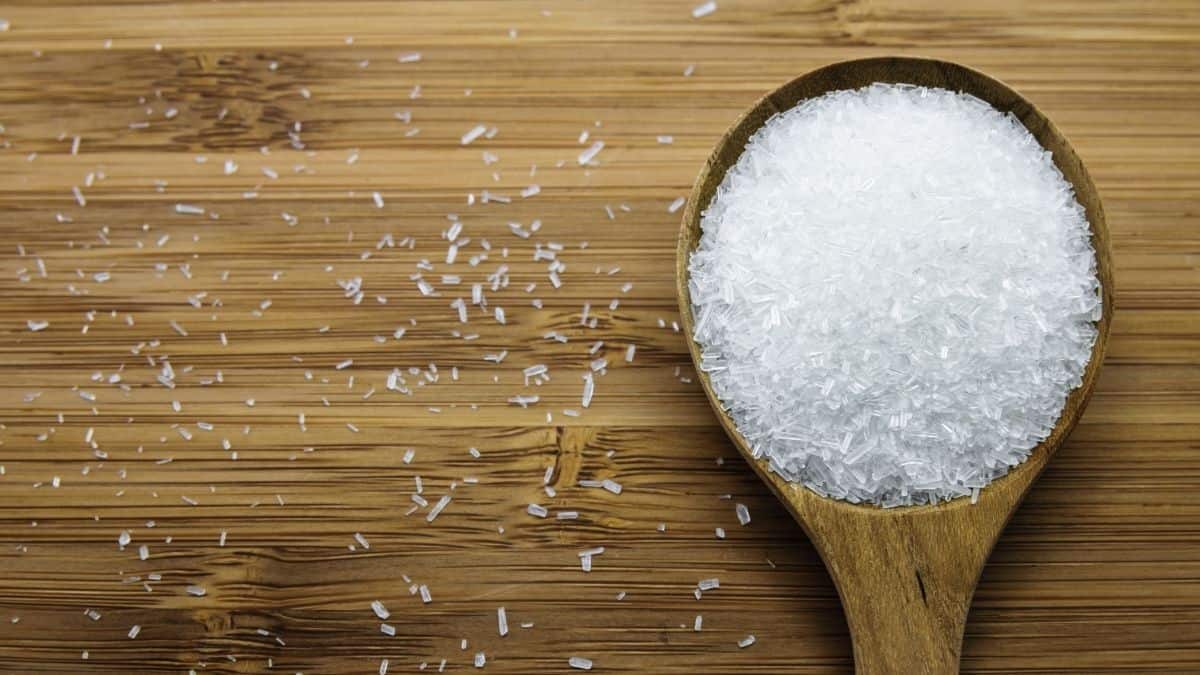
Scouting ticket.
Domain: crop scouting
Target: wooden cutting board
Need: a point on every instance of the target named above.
(1100, 570)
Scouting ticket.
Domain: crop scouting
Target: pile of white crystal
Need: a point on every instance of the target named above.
(894, 293)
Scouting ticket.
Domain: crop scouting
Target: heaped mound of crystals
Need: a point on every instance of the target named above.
(894, 293)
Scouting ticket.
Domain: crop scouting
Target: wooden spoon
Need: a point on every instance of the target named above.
(905, 575)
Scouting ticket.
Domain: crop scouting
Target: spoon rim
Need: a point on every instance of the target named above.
(1004, 98)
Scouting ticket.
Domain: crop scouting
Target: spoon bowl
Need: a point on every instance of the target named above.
(905, 575)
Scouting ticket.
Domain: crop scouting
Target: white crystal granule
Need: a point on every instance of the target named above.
(894, 293)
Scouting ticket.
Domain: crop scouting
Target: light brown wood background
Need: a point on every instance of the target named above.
(1099, 571)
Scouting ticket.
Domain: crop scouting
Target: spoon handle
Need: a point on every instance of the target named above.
(905, 578)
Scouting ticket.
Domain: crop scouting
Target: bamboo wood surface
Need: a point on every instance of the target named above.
(905, 576)
(1099, 571)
